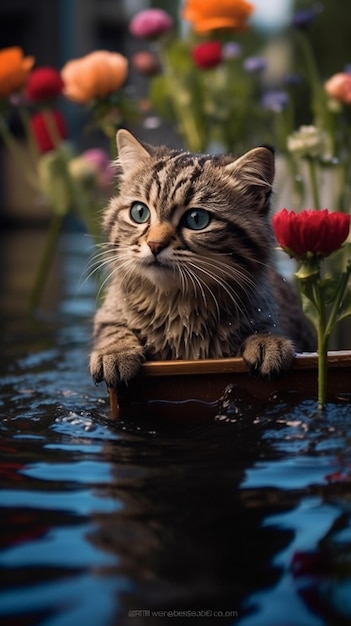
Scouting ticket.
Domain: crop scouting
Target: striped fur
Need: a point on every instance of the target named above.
(179, 293)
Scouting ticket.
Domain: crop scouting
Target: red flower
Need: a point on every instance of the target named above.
(44, 135)
(44, 83)
(207, 54)
(311, 232)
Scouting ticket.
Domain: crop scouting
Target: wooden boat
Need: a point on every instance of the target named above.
(195, 388)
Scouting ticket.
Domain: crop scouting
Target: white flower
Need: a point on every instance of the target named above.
(307, 141)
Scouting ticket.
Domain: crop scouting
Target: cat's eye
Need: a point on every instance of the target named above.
(139, 212)
(196, 219)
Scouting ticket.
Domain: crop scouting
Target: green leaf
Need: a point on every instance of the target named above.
(345, 308)
(52, 170)
(310, 309)
(329, 289)
(160, 99)
(309, 269)
(306, 285)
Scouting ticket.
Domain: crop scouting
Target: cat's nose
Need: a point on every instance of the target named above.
(156, 246)
(159, 237)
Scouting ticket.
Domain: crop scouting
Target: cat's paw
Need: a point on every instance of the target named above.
(115, 367)
(267, 355)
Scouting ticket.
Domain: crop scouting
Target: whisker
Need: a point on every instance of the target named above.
(113, 271)
(183, 281)
(240, 307)
(194, 278)
(215, 278)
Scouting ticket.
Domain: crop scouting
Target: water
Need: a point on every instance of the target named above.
(243, 520)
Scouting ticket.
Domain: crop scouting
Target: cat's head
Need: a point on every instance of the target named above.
(190, 221)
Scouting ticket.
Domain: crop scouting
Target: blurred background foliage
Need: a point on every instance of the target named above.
(57, 30)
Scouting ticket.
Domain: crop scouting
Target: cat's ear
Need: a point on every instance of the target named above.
(256, 166)
(254, 171)
(130, 151)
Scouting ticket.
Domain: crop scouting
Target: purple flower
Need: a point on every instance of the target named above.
(255, 65)
(231, 50)
(292, 80)
(275, 101)
(303, 18)
(150, 23)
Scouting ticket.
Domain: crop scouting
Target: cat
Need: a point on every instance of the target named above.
(190, 250)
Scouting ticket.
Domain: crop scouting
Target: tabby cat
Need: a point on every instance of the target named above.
(190, 255)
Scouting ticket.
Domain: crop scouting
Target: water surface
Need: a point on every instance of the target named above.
(243, 519)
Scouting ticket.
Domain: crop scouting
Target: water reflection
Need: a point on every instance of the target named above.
(248, 515)
(183, 521)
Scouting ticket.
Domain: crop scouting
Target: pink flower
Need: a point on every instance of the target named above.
(44, 83)
(146, 63)
(102, 164)
(310, 232)
(339, 87)
(150, 23)
(207, 54)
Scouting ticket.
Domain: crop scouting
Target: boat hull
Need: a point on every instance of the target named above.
(192, 388)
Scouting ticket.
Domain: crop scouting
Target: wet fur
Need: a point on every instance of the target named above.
(178, 293)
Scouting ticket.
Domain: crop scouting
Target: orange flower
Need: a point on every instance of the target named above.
(339, 87)
(206, 15)
(14, 70)
(95, 75)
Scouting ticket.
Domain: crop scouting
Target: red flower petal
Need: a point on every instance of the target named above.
(44, 83)
(207, 54)
(314, 232)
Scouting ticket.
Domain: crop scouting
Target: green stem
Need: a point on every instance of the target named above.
(314, 182)
(322, 349)
(183, 111)
(113, 146)
(25, 119)
(50, 247)
(186, 122)
(319, 99)
(16, 151)
(51, 127)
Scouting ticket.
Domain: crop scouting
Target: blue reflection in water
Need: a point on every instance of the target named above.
(249, 514)
(85, 599)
